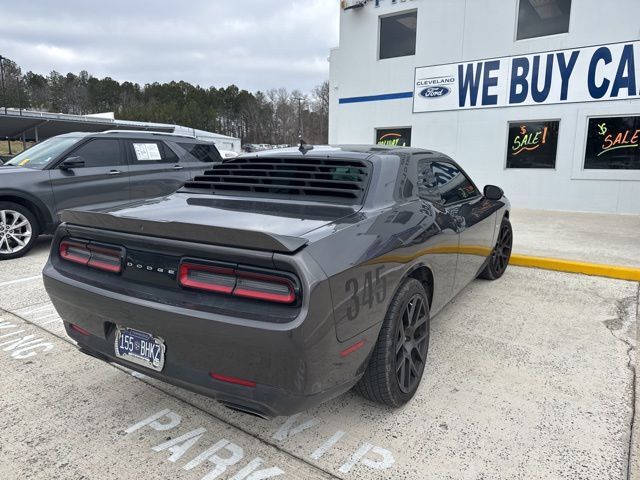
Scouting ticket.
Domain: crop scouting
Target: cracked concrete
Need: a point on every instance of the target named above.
(624, 327)
(634, 444)
(528, 378)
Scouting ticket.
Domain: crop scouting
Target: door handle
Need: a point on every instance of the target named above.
(115, 172)
(178, 167)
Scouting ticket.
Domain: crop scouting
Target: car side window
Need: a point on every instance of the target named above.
(202, 152)
(453, 184)
(170, 155)
(427, 183)
(99, 152)
(150, 151)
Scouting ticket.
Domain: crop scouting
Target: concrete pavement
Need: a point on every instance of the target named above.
(634, 465)
(589, 237)
(528, 377)
(66, 416)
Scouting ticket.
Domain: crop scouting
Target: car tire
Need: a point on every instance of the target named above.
(17, 224)
(499, 260)
(398, 359)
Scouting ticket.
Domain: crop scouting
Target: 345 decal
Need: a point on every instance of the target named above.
(374, 291)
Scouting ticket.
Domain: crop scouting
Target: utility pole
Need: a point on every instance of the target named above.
(300, 130)
(19, 95)
(4, 93)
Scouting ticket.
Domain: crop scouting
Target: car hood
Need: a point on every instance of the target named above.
(11, 169)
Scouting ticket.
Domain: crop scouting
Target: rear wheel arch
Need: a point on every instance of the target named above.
(424, 275)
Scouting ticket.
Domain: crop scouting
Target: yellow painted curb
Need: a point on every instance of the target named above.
(572, 266)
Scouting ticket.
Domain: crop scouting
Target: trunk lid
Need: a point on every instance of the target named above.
(276, 226)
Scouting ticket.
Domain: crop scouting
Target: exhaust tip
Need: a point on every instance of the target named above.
(247, 410)
(93, 354)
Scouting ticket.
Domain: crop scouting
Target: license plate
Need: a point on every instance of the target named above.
(140, 348)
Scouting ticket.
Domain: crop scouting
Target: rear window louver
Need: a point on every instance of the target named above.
(310, 178)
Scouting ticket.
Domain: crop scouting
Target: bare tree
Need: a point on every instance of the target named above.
(272, 117)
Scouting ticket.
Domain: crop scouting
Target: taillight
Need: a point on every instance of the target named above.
(108, 259)
(105, 259)
(204, 277)
(237, 282)
(75, 252)
(264, 287)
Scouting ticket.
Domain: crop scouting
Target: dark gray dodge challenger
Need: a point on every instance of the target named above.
(278, 280)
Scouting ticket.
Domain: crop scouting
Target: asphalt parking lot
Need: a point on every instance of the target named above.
(528, 377)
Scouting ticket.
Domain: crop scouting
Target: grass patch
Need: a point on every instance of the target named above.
(16, 147)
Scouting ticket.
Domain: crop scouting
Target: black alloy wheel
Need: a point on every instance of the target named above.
(399, 356)
(411, 344)
(501, 253)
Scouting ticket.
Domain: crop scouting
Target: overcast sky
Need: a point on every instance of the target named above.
(255, 44)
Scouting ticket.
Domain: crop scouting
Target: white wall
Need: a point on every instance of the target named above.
(231, 144)
(461, 30)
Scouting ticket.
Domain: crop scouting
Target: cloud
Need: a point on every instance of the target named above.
(255, 44)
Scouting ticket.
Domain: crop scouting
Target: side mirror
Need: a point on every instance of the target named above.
(491, 192)
(72, 162)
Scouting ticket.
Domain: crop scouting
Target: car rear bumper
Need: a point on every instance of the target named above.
(294, 366)
(263, 400)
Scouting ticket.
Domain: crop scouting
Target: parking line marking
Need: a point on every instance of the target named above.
(20, 280)
(58, 319)
(573, 266)
(28, 310)
(324, 448)
(37, 320)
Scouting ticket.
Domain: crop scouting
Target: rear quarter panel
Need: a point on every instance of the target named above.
(367, 260)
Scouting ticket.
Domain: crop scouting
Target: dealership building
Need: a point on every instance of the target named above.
(540, 97)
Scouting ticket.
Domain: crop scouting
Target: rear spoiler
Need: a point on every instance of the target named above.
(212, 235)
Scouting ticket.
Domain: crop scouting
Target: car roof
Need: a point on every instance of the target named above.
(133, 134)
(361, 152)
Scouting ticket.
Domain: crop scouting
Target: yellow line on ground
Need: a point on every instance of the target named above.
(573, 266)
(545, 263)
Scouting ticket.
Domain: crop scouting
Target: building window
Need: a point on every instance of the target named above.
(398, 35)
(539, 18)
(394, 137)
(532, 144)
(613, 143)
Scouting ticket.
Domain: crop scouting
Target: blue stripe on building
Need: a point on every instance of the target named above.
(376, 98)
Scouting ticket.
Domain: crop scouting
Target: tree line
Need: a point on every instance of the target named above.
(270, 117)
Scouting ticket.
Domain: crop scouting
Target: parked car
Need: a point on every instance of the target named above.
(91, 170)
(251, 147)
(281, 279)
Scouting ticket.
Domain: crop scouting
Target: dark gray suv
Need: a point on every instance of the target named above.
(91, 170)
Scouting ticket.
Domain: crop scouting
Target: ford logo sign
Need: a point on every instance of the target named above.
(435, 92)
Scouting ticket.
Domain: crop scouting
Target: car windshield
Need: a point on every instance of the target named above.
(41, 154)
